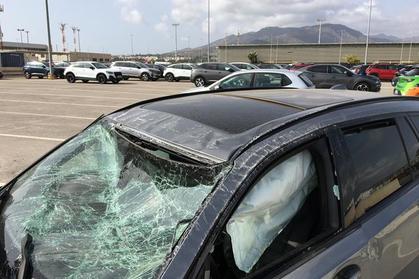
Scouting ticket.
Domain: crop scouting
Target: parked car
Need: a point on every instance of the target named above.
(269, 66)
(90, 70)
(414, 92)
(384, 71)
(405, 83)
(297, 66)
(1, 75)
(206, 73)
(328, 75)
(360, 69)
(59, 69)
(240, 185)
(180, 71)
(244, 66)
(259, 79)
(35, 69)
(132, 69)
(406, 71)
(159, 67)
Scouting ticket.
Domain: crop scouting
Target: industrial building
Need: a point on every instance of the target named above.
(14, 55)
(320, 53)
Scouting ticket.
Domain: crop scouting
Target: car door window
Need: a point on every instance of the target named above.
(237, 81)
(318, 69)
(337, 70)
(187, 67)
(271, 80)
(379, 160)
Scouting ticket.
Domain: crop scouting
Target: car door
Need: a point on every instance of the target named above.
(319, 75)
(222, 71)
(89, 70)
(271, 80)
(186, 71)
(239, 81)
(340, 75)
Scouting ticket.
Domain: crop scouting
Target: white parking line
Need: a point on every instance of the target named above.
(71, 96)
(30, 137)
(57, 103)
(47, 115)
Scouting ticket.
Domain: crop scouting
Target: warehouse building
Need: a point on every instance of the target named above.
(321, 53)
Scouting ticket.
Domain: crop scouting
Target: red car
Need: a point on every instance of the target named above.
(383, 71)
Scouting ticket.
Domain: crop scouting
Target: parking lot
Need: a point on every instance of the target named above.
(38, 114)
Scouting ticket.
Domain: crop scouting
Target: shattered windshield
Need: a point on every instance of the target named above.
(102, 206)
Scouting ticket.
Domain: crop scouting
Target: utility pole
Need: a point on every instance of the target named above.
(225, 43)
(320, 21)
(27, 36)
(209, 31)
(175, 25)
(1, 32)
(410, 51)
(340, 47)
(132, 44)
(78, 38)
(20, 30)
(276, 53)
(401, 53)
(270, 52)
(368, 33)
(49, 41)
(238, 37)
(74, 38)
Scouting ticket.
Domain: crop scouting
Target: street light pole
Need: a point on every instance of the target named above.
(368, 33)
(209, 30)
(49, 40)
(340, 47)
(78, 37)
(21, 37)
(1, 32)
(175, 25)
(27, 36)
(132, 44)
(320, 21)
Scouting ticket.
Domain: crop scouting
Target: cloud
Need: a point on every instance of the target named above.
(129, 12)
(250, 15)
(163, 25)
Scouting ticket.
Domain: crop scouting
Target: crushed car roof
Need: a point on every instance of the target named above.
(214, 125)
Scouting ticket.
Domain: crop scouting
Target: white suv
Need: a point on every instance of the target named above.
(131, 69)
(176, 72)
(90, 70)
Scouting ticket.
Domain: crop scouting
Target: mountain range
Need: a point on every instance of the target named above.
(331, 33)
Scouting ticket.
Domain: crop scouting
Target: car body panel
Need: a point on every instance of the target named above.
(383, 71)
(405, 83)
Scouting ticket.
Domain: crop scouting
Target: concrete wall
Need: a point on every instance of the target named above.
(89, 56)
(324, 53)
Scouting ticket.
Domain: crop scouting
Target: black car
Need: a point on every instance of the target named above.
(59, 68)
(36, 69)
(329, 75)
(1, 75)
(303, 184)
(206, 73)
(158, 67)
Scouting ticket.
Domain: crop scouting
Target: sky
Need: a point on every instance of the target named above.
(107, 25)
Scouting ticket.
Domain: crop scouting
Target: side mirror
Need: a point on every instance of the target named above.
(92, 68)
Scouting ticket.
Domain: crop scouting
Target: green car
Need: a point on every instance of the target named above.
(405, 83)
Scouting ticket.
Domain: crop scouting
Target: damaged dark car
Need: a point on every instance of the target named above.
(249, 184)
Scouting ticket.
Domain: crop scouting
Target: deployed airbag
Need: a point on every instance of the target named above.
(268, 208)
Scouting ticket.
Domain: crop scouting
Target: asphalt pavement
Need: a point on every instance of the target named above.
(38, 114)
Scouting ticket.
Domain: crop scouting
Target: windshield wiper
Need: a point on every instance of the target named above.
(25, 268)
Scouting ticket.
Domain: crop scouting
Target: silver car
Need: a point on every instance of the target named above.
(133, 69)
(259, 79)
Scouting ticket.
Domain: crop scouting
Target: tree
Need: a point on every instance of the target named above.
(253, 57)
(352, 59)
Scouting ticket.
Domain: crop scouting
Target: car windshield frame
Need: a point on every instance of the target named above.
(191, 185)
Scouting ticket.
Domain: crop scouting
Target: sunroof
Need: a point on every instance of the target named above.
(227, 113)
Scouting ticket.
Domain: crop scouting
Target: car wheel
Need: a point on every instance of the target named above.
(28, 75)
(101, 78)
(199, 82)
(125, 78)
(155, 79)
(362, 86)
(85, 81)
(71, 78)
(169, 77)
(145, 77)
(115, 81)
(40, 77)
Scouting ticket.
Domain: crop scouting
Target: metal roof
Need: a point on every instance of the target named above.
(16, 45)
